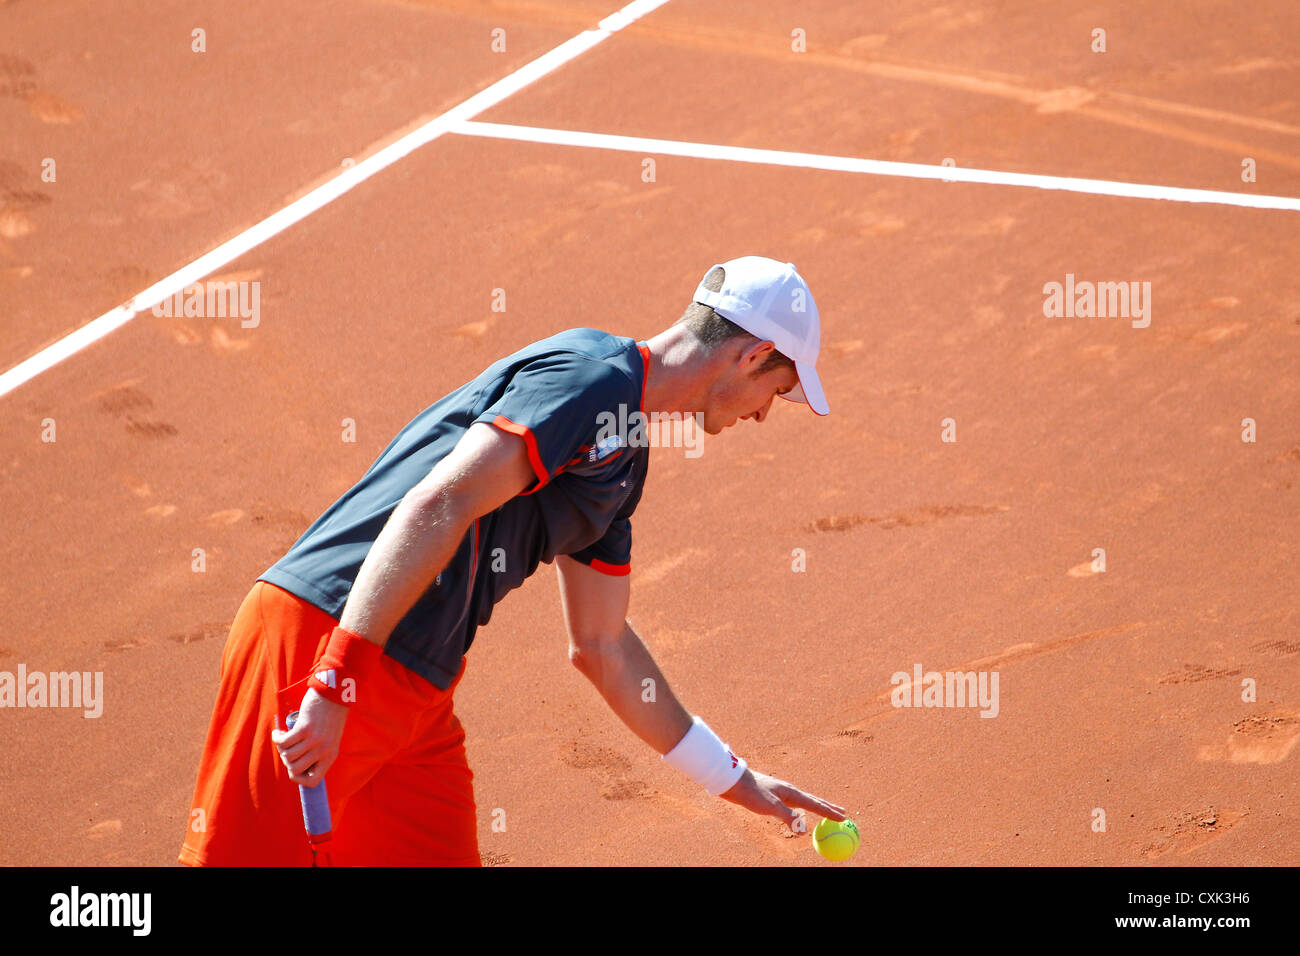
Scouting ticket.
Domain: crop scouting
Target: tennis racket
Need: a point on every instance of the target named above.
(315, 813)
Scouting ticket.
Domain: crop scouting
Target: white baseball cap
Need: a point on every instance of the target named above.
(770, 299)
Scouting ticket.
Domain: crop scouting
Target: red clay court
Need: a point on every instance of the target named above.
(979, 456)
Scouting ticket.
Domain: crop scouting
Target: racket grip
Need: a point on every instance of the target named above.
(315, 802)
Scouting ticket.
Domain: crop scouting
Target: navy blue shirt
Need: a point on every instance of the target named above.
(559, 395)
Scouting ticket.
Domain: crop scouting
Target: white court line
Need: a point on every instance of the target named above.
(322, 195)
(878, 167)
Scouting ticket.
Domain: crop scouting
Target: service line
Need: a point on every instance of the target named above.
(876, 167)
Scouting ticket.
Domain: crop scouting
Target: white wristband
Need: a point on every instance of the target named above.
(703, 757)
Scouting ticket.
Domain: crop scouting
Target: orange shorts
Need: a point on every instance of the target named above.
(400, 792)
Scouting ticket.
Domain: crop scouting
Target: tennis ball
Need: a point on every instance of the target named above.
(836, 841)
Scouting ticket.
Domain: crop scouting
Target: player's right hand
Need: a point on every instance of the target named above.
(762, 794)
(313, 745)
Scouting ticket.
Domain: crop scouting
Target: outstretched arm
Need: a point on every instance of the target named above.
(605, 648)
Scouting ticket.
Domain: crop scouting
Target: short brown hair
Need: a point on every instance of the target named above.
(713, 330)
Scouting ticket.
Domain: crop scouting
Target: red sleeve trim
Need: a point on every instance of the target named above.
(534, 456)
(614, 570)
(645, 362)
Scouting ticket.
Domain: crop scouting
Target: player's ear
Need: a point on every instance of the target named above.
(753, 357)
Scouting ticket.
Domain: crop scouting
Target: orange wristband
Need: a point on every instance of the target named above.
(343, 667)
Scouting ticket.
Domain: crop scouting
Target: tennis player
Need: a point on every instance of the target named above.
(364, 624)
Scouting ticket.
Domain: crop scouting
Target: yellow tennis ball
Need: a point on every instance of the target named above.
(836, 841)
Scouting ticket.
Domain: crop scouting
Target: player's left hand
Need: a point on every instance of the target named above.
(762, 794)
(313, 745)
